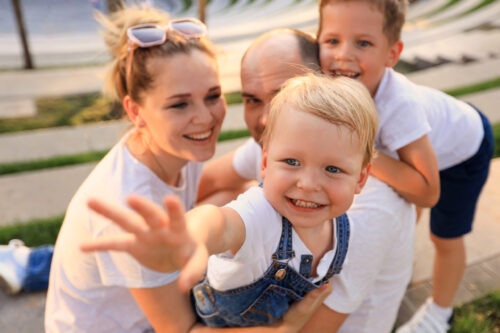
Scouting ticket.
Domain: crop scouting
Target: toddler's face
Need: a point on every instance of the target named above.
(311, 168)
(352, 43)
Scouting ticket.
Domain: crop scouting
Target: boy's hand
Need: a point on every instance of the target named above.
(157, 238)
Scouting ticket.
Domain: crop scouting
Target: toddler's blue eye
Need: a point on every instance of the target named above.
(332, 169)
(332, 41)
(291, 161)
(364, 43)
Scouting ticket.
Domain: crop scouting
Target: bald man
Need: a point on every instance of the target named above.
(373, 281)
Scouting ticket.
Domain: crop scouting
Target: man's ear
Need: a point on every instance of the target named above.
(363, 177)
(394, 54)
(132, 109)
(263, 164)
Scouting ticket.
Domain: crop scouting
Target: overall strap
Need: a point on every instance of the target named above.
(342, 230)
(285, 248)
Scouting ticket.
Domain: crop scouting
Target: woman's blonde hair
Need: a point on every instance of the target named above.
(116, 84)
(341, 101)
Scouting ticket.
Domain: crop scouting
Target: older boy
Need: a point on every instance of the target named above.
(361, 39)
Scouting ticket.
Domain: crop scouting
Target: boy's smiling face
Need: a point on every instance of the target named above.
(311, 169)
(352, 43)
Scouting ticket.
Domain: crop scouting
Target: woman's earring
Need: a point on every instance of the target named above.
(141, 123)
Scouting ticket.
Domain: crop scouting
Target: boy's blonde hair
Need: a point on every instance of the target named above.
(341, 101)
(115, 36)
(394, 12)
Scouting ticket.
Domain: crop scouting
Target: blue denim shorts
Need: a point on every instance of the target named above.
(461, 185)
(267, 299)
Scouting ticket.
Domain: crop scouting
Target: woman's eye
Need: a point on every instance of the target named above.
(180, 105)
(332, 169)
(292, 162)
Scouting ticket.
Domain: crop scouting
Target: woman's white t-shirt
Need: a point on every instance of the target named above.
(89, 292)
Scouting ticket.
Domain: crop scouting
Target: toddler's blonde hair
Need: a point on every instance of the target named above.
(341, 101)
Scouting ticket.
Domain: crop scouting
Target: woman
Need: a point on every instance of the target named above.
(171, 93)
(165, 75)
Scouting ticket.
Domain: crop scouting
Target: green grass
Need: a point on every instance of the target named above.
(481, 86)
(460, 15)
(33, 233)
(94, 156)
(496, 134)
(66, 111)
(54, 162)
(479, 316)
(436, 11)
(74, 111)
(233, 98)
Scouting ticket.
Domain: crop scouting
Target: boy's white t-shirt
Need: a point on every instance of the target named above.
(407, 111)
(89, 292)
(263, 227)
(379, 260)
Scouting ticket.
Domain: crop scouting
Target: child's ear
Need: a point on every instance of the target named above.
(263, 164)
(363, 177)
(132, 109)
(394, 54)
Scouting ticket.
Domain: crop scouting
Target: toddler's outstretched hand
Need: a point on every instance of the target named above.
(157, 238)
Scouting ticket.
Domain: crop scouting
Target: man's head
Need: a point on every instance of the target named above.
(317, 146)
(271, 59)
(360, 38)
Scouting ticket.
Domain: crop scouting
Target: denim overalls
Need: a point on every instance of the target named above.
(267, 299)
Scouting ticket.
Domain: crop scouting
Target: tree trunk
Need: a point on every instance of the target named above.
(114, 5)
(201, 9)
(28, 63)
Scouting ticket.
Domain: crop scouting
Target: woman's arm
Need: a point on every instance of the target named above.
(167, 308)
(415, 176)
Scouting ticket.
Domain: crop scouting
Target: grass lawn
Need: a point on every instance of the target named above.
(479, 316)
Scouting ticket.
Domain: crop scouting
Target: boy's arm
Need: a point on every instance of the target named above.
(162, 239)
(415, 176)
(219, 180)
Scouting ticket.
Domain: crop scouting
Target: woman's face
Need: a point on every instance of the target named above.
(184, 110)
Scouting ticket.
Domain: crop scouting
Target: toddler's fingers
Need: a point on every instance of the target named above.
(154, 216)
(176, 213)
(194, 270)
(126, 219)
(122, 243)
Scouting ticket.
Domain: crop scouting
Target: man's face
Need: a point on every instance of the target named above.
(261, 80)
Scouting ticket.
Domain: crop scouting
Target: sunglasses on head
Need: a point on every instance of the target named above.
(149, 35)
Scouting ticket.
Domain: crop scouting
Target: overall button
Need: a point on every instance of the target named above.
(200, 297)
(280, 274)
